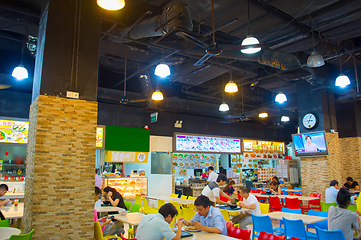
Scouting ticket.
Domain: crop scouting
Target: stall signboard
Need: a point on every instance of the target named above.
(14, 131)
(100, 137)
(131, 157)
(205, 143)
(184, 161)
(263, 149)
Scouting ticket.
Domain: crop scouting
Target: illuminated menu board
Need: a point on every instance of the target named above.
(13, 131)
(100, 137)
(205, 143)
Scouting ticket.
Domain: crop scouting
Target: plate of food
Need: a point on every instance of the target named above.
(192, 229)
(186, 164)
(2, 136)
(16, 137)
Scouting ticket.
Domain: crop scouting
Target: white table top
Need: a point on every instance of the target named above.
(11, 212)
(130, 218)
(292, 190)
(11, 195)
(109, 209)
(172, 199)
(303, 198)
(6, 232)
(307, 219)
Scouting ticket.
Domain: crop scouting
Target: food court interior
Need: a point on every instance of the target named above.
(286, 106)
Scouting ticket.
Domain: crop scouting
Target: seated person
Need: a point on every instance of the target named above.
(212, 190)
(249, 202)
(114, 198)
(207, 218)
(275, 178)
(275, 188)
(351, 184)
(332, 191)
(339, 218)
(229, 188)
(3, 190)
(156, 226)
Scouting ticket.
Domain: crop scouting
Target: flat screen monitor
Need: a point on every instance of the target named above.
(310, 144)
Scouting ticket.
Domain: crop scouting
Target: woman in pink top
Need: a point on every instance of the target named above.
(206, 174)
(104, 220)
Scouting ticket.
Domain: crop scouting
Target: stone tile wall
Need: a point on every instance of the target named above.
(59, 195)
(351, 158)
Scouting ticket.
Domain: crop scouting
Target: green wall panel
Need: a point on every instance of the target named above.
(127, 139)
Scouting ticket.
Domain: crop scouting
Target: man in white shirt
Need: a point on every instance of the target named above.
(251, 203)
(212, 175)
(332, 191)
(212, 190)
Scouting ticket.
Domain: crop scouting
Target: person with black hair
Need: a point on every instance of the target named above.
(212, 177)
(332, 191)
(229, 188)
(275, 189)
(310, 146)
(3, 190)
(114, 198)
(351, 184)
(212, 190)
(339, 218)
(207, 218)
(156, 226)
(275, 178)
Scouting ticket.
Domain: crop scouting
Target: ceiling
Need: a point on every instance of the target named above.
(283, 26)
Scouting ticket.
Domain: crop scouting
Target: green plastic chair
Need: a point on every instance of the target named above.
(352, 208)
(4, 223)
(26, 236)
(128, 204)
(326, 206)
(135, 207)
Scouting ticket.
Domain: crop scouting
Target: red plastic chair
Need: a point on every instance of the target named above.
(294, 238)
(254, 191)
(261, 199)
(275, 204)
(268, 236)
(313, 204)
(293, 203)
(224, 199)
(122, 236)
(238, 233)
(239, 197)
(229, 225)
(295, 194)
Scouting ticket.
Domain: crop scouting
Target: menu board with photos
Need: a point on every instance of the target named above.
(209, 144)
(263, 148)
(266, 174)
(100, 137)
(184, 161)
(13, 131)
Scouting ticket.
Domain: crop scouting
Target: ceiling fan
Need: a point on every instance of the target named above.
(236, 118)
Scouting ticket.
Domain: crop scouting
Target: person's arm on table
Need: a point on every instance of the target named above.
(279, 191)
(179, 231)
(252, 206)
(115, 202)
(199, 226)
(2, 203)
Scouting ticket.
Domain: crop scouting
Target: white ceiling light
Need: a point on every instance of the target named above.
(315, 60)
(157, 95)
(281, 98)
(249, 41)
(111, 5)
(162, 70)
(231, 87)
(20, 72)
(223, 107)
(285, 119)
(263, 115)
(342, 81)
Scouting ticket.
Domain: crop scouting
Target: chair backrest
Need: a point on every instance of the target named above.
(183, 197)
(26, 236)
(352, 208)
(284, 192)
(264, 208)
(122, 236)
(229, 225)
(152, 210)
(315, 195)
(290, 210)
(261, 223)
(188, 213)
(268, 236)
(298, 188)
(318, 213)
(224, 199)
(161, 202)
(326, 206)
(225, 214)
(135, 207)
(238, 233)
(98, 233)
(321, 224)
(254, 191)
(294, 238)
(240, 198)
(128, 204)
(138, 200)
(174, 195)
(192, 198)
(4, 223)
(275, 203)
(326, 235)
(293, 203)
(145, 204)
(294, 228)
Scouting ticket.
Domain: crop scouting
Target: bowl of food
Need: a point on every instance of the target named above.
(233, 206)
(123, 212)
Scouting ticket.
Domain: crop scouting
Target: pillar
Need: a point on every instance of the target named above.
(59, 195)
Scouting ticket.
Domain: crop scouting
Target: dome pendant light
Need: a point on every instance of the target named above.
(250, 40)
(20, 71)
(230, 87)
(315, 59)
(111, 5)
(162, 70)
(342, 80)
(223, 107)
(281, 98)
(157, 95)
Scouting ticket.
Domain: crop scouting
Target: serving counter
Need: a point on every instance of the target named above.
(129, 187)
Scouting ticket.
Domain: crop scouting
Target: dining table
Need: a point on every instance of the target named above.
(108, 209)
(6, 232)
(206, 236)
(302, 198)
(13, 212)
(130, 218)
(307, 219)
(172, 199)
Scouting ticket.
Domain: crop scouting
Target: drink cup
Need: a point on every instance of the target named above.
(16, 202)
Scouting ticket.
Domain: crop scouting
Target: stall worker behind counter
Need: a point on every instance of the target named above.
(212, 190)
(207, 218)
(212, 175)
(351, 184)
(3, 190)
(205, 175)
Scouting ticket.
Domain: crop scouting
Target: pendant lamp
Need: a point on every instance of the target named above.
(315, 59)
(111, 5)
(157, 95)
(162, 70)
(285, 119)
(20, 71)
(250, 40)
(263, 115)
(223, 107)
(342, 80)
(230, 87)
(281, 98)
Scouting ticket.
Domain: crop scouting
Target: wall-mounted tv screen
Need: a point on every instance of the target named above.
(310, 144)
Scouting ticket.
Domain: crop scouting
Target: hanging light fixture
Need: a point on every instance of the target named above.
(20, 71)
(315, 59)
(111, 5)
(230, 87)
(285, 119)
(162, 70)
(157, 95)
(250, 41)
(342, 80)
(263, 115)
(281, 98)
(223, 107)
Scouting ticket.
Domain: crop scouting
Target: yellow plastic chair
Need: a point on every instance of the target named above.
(26, 236)
(145, 205)
(264, 208)
(98, 233)
(160, 203)
(174, 195)
(188, 213)
(139, 201)
(152, 210)
(225, 214)
(192, 198)
(180, 211)
(183, 197)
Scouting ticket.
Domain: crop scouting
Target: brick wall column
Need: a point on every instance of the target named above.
(59, 186)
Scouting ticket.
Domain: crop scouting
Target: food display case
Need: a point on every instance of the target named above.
(129, 187)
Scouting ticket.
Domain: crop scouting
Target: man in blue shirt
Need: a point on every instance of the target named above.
(207, 218)
(332, 191)
(156, 226)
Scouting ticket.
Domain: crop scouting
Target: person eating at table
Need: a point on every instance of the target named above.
(275, 188)
(207, 218)
(114, 198)
(212, 190)
(3, 190)
(339, 218)
(332, 191)
(229, 188)
(156, 226)
(249, 202)
(351, 184)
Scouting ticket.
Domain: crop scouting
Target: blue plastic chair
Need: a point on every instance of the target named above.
(266, 189)
(322, 224)
(288, 210)
(297, 188)
(261, 223)
(284, 192)
(253, 188)
(326, 235)
(296, 228)
(283, 188)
